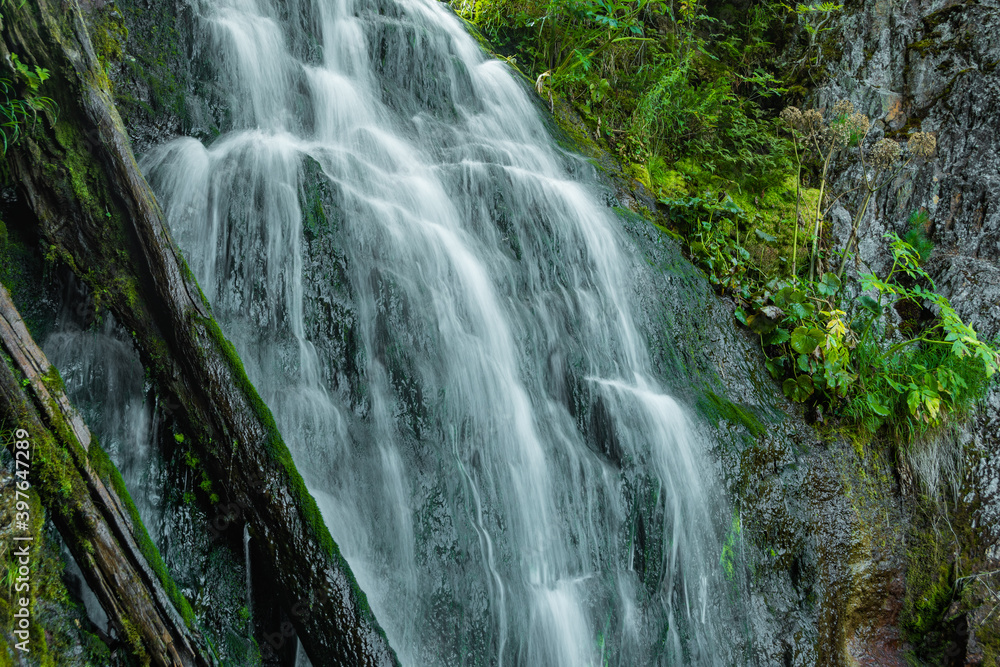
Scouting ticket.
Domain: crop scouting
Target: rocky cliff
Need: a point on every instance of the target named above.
(917, 65)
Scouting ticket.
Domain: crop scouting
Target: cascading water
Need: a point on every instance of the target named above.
(441, 318)
(104, 378)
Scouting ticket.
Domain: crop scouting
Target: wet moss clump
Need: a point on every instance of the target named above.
(53, 381)
(53, 468)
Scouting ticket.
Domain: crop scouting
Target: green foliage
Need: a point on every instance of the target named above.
(654, 78)
(838, 355)
(740, 241)
(687, 113)
(20, 101)
(713, 231)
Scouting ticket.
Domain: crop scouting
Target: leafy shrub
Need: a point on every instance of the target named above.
(844, 357)
(20, 101)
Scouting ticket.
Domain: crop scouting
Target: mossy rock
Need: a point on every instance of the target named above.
(716, 409)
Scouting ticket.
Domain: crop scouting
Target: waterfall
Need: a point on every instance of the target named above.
(441, 313)
(105, 380)
(249, 577)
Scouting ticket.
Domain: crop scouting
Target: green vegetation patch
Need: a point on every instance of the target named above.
(716, 409)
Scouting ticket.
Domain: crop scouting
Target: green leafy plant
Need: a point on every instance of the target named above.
(20, 101)
(714, 237)
(842, 356)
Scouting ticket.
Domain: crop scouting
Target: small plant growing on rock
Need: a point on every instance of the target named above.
(842, 356)
(826, 136)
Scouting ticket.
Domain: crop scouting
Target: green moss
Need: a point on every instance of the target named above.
(155, 63)
(772, 212)
(925, 47)
(940, 552)
(53, 381)
(314, 218)
(665, 182)
(929, 604)
(134, 640)
(989, 639)
(717, 408)
(85, 177)
(55, 474)
(639, 172)
(108, 35)
(935, 19)
(107, 471)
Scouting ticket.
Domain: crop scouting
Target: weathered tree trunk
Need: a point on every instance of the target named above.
(93, 519)
(98, 214)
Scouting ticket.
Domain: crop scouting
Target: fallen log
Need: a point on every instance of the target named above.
(98, 215)
(107, 540)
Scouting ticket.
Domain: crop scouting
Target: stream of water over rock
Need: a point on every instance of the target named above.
(440, 311)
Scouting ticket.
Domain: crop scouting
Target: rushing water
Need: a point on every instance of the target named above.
(440, 312)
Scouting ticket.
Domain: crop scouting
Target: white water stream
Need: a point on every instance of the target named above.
(450, 348)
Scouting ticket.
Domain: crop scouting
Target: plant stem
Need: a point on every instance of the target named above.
(854, 233)
(798, 204)
(819, 215)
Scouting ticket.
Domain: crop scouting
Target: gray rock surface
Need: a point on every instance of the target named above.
(931, 65)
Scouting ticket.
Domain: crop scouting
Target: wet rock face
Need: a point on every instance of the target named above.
(931, 66)
(161, 83)
(919, 65)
